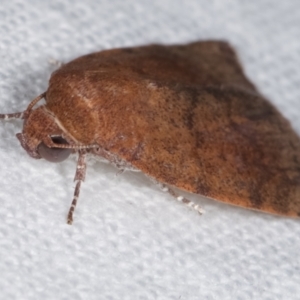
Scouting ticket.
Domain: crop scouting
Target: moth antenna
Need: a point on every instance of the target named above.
(24, 114)
(74, 147)
(18, 115)
(79, 177)
(35, 101)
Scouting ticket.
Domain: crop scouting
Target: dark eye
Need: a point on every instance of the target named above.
(54, 154)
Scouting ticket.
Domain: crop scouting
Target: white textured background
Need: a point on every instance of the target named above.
(130, 240)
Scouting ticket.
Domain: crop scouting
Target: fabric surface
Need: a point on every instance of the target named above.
(130, 240)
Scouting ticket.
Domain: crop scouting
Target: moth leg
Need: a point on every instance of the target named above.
(182, 199)
(79, 177)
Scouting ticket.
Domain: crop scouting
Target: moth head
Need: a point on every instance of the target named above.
(42, 138)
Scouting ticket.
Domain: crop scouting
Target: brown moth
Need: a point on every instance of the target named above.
(185, 115)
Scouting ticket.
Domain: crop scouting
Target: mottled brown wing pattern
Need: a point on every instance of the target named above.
(226, 144)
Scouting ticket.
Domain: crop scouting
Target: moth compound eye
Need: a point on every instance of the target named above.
(54, 154)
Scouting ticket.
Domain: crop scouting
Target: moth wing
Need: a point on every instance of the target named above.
(226, 143)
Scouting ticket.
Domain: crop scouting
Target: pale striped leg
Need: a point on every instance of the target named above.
(79, 177)
(182, 199)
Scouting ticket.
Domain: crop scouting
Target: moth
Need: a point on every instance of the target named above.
(185, 115)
